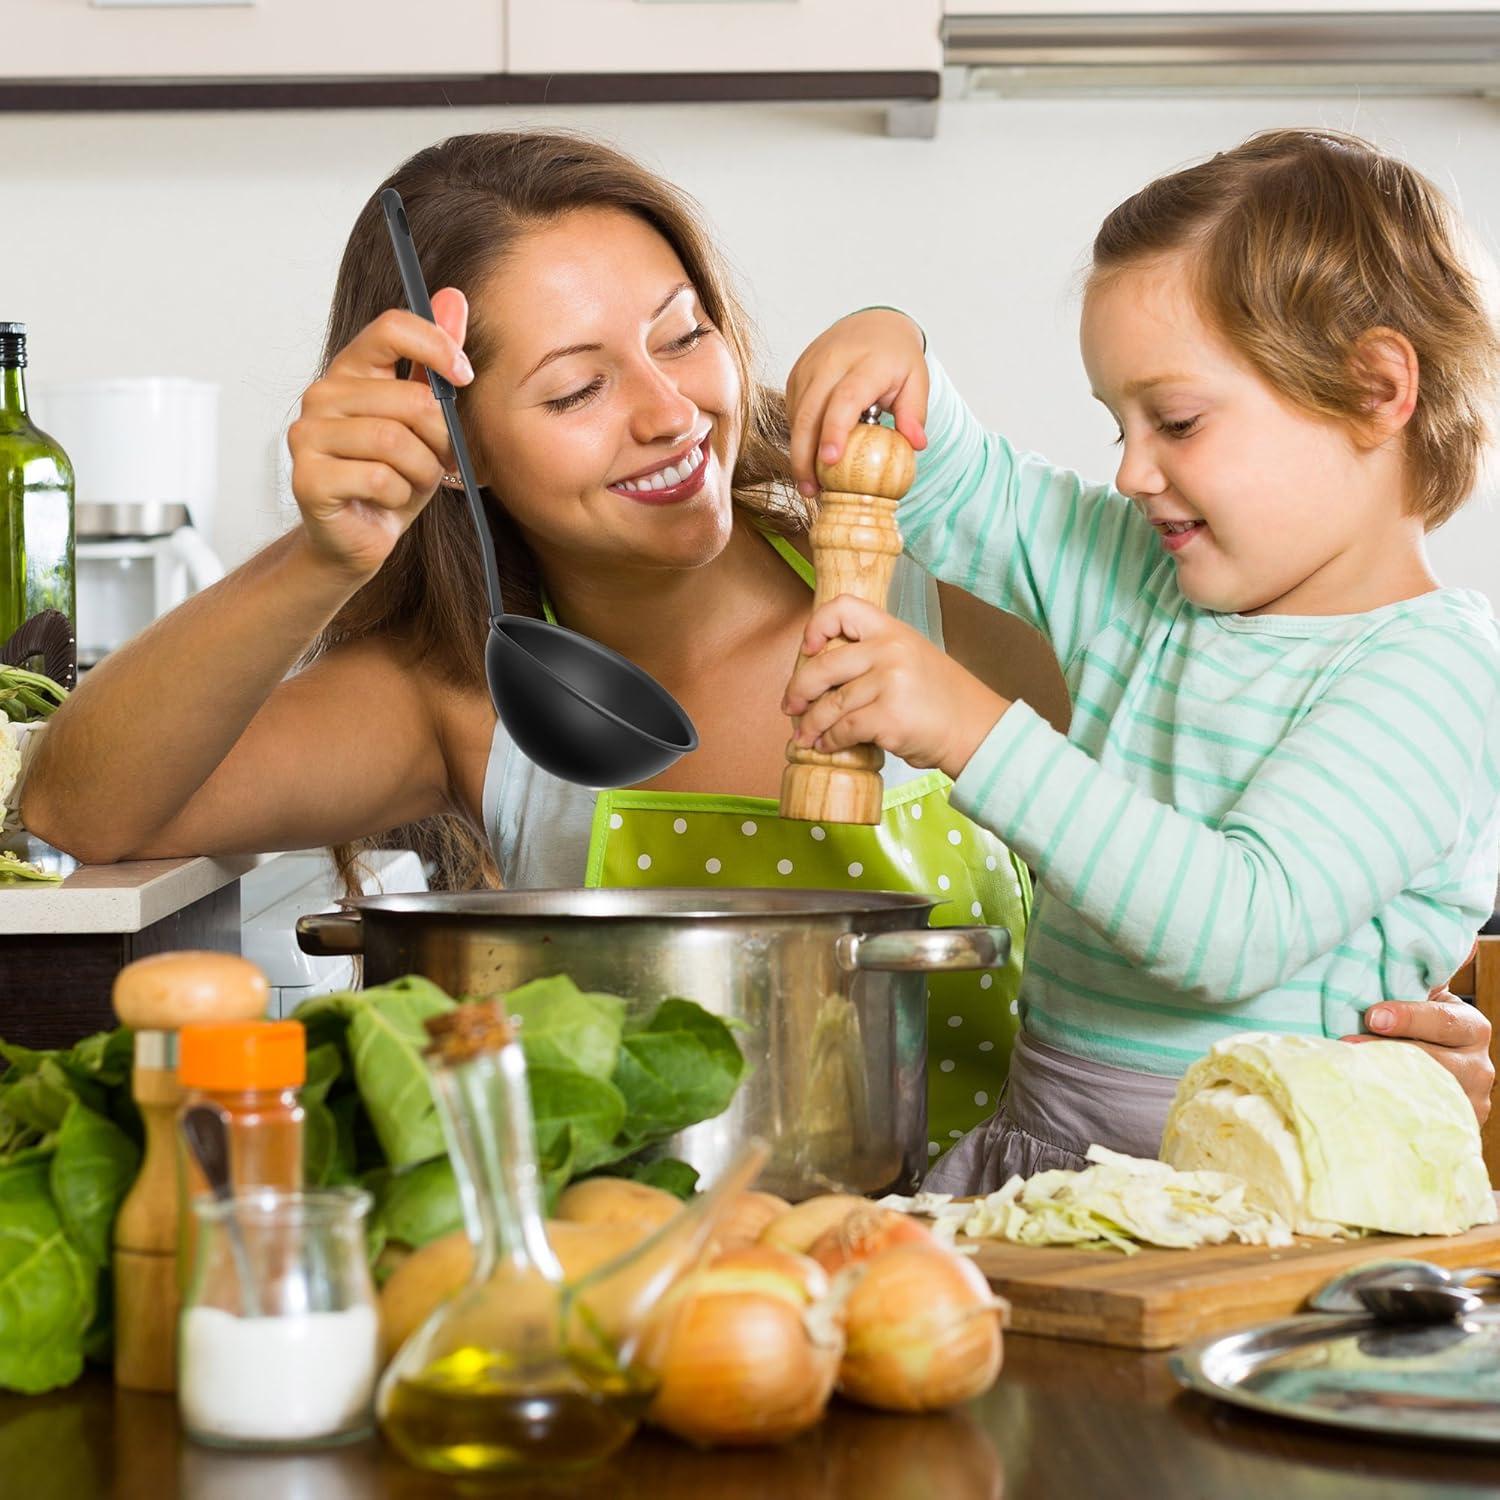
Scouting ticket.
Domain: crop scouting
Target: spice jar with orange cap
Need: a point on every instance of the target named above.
(250, 1071)
(156, 997)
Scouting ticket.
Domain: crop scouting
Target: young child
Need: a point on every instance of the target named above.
(1279, 798)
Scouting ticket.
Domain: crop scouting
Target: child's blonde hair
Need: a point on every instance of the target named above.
(1306, 241)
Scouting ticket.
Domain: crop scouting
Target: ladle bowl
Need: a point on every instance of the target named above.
(579, 710)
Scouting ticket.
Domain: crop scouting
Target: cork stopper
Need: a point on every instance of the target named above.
(171, 990)
(468, 1031)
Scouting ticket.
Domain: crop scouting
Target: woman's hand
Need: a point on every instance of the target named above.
(889, 686)
(369, 450)
(871, 358)
(1445, 1028)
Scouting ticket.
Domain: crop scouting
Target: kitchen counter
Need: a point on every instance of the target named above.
(1066, 1420)
(115, 898)
(62, 945)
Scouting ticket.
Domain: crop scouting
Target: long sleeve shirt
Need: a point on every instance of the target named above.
(1254, 822)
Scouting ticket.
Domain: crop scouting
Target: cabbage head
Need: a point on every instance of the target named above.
(1335, 1138)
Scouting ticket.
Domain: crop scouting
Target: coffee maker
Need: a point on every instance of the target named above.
(145, 457)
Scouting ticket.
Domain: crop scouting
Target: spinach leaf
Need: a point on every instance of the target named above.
(666, 1172)
(561, 1026)
(418, 1205)
(46, 1287)
(675, 1069)
(90, 1173)
(386, 1039)
(592, 1110)
(320, 1131)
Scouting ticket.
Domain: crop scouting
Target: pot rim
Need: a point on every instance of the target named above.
(652, 903)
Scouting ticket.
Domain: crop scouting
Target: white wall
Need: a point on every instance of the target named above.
(206, 244)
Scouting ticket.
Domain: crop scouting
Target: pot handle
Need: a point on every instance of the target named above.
(331, 934)
(925, 950)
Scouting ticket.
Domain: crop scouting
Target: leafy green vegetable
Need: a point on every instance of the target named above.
(47, 1287)
(666, 1172)
(91, 1171)
(603, 1088)
(564, 1027)
(592, 1110)
(385, 1041)
(324, 1157)
(421, 1203)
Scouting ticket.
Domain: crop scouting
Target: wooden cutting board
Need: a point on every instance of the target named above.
(1158, 1299)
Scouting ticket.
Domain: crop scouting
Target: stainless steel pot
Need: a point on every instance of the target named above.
(825, 990)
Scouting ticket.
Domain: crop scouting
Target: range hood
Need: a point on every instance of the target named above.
(1257, 51)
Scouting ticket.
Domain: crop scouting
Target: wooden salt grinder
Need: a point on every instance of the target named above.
(156, 997)
(855, 546)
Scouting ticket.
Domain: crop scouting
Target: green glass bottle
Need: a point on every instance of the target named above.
(36, 504)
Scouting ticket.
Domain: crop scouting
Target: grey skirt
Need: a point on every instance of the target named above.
(1053, 1108)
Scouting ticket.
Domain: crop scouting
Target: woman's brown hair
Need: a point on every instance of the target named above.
(1305, 242)
(468, 200)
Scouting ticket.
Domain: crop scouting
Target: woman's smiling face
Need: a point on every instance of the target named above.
(606, 415)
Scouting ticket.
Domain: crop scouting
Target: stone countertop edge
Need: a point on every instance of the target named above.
(125, 897)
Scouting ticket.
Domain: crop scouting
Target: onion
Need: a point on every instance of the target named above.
(746, 1218)
(923, 1330)
(738, 1352)
(798, 1227)
(865, 1233)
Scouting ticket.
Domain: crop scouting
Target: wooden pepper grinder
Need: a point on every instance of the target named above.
(156, 997)
(855, 546)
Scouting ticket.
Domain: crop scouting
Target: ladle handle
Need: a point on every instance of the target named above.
(415, 286)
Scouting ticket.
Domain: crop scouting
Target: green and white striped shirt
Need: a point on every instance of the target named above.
(1254, 822)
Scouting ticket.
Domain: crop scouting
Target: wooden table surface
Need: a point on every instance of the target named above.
(1067, 1421)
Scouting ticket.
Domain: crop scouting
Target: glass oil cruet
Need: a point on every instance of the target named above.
(519, 1370)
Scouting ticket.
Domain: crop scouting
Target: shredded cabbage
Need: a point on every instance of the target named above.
(1117, 1202)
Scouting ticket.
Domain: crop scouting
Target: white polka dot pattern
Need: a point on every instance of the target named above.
(923, 845)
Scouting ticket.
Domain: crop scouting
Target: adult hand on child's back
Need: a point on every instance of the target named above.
(871, 358)
(1446, 1028)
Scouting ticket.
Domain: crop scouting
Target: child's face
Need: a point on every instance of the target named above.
(1276, 497)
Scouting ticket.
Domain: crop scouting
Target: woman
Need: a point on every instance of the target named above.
(636, 478)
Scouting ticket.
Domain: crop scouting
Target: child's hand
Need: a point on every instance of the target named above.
(889, 686)
(871, 358)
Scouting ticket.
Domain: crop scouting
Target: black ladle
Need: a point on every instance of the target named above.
(575, 708)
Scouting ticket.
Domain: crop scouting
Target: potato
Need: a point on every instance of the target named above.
(435, 1272)
(617, 1200)
(798, 1227)
(744, 1219)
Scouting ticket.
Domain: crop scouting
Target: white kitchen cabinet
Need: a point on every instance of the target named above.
(75, 39)
(724, 36)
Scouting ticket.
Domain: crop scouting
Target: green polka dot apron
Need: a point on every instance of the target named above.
(922, 844)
